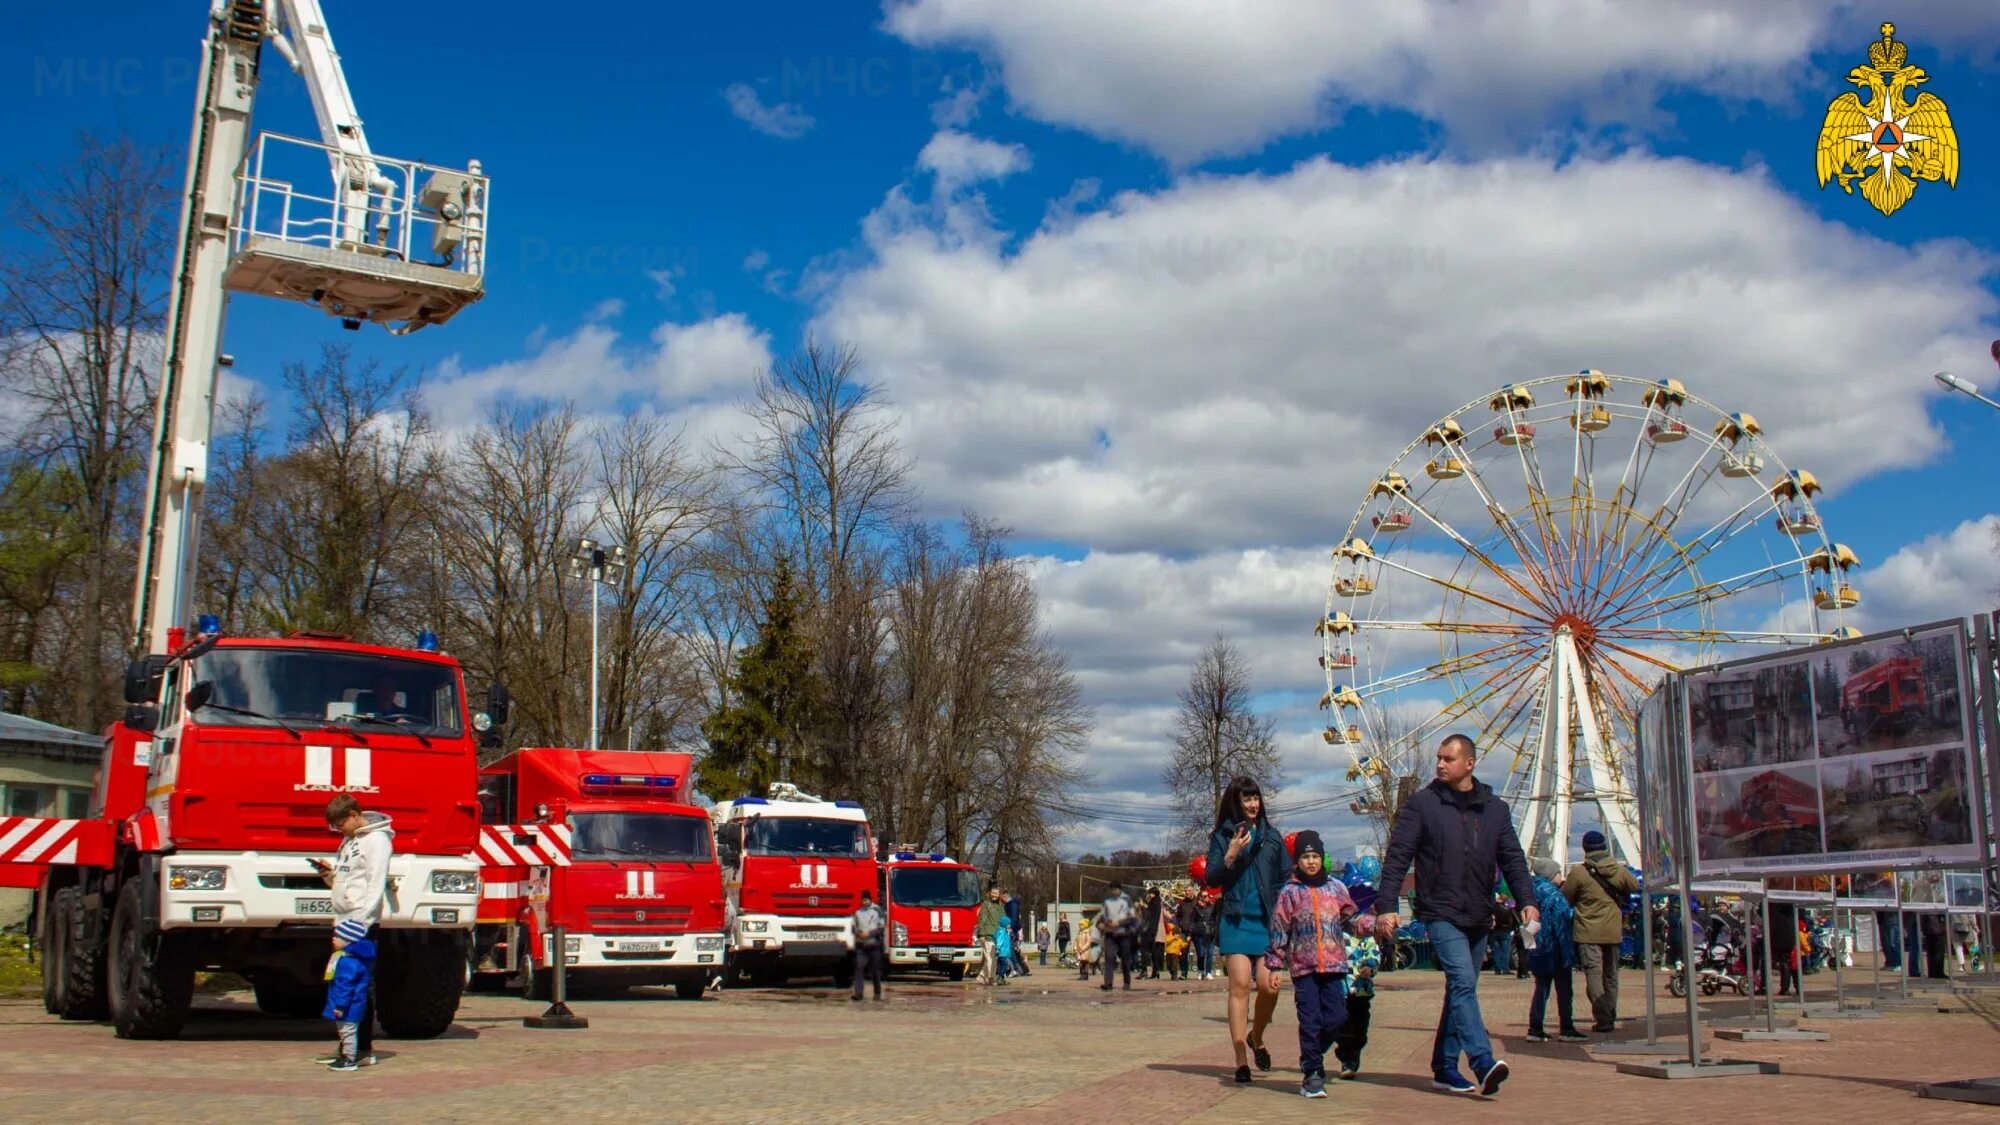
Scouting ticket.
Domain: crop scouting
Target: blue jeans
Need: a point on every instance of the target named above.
(1461, 1029)
(1321, 1001)
(1204, 954)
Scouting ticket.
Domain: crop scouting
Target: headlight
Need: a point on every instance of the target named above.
(755, 927)
(454, 882)
(901, 934)
(197, 878)
(707, 944)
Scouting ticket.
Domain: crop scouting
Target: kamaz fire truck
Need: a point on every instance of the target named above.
(210, 802)
(932, 902)
(605, 844)
(1888, 696)
(794, 866)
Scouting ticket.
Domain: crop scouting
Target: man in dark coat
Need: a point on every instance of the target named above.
(1455, 832)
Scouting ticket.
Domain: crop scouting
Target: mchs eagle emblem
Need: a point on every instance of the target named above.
(1887, 142)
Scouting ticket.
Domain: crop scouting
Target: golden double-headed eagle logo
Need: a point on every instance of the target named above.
(1888, 142)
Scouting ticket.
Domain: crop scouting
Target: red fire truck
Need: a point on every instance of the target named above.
(794, 866)
(932, 901)
(1886, 695)
(605, 843)
(210, 806)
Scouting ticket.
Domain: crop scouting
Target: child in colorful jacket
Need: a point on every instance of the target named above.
(1309, 938)
(1364, 957)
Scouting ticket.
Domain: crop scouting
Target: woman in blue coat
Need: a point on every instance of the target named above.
(1248, 861)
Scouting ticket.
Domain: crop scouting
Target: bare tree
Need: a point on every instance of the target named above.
(1217, 736)
(1390, 775)
(81, 308)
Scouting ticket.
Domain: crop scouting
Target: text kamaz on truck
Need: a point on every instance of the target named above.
(211, 805)
(794, 866)
(640, 896)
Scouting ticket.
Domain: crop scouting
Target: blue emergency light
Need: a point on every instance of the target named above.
(751, 801)
(640, 781)
(207, 625)
(847, 804)
(427, 641)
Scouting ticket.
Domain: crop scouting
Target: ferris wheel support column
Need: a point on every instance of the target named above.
(1615, 805)
(1548, 782)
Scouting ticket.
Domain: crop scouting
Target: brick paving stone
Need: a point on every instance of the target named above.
(1048, 1048)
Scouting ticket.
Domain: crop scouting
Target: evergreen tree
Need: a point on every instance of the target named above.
(765, 732)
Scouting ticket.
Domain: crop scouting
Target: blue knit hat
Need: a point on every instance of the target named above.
(350, 929)
(1593, 841)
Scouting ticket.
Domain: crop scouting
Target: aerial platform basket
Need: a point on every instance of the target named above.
(403, 244)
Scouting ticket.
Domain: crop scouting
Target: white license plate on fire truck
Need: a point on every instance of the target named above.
(639, 947)
(313, 906)
(944, 952)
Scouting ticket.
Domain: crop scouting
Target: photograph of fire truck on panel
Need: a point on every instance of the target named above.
(1850, 756)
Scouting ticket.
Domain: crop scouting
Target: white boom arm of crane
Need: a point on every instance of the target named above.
(348, 267)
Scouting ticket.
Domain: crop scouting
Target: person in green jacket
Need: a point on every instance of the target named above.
(1597, 888)
(986, 927)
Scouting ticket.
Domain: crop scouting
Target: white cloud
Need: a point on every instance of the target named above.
(1227, 362)
(1189, 79)
(608, 309)
(782, 120)
(958, 159)
(756, 260)
(707, 362)
(1955, 574)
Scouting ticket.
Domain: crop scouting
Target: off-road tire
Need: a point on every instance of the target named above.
(151, 980)
(957, 972)
(288, 997)
(691, 989)
(72, 971)
(421, 979)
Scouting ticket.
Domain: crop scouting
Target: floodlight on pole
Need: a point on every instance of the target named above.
(600, 563)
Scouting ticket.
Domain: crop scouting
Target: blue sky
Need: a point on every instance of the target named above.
(1165, 290)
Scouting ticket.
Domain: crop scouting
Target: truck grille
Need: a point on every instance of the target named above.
(625, 919)
(800, 902)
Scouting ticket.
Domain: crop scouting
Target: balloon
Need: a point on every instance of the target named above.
(1349, 873)
(1364, 896)
(1291, 843)
(1198, 869)
(1370, 867)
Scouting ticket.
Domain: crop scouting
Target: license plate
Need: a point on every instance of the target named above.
(639, 946)
(944, 951)
(313, 906)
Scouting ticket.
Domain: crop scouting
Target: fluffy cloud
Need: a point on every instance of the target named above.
(958, 159)
(783, 120)
(1189, 79)
(709, 361)
(1229, 361)
(1951, 575)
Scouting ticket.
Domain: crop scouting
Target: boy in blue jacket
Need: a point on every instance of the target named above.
(347, 989)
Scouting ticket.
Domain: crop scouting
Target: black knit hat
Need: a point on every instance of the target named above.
(1307, 843)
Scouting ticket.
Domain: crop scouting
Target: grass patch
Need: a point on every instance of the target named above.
(18, 976)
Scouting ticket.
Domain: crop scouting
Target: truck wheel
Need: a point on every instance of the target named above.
(691, 988)
(955, 972)
(85, 993)
(843, 976)
(288, 997)
(152, 973)
(423, 978)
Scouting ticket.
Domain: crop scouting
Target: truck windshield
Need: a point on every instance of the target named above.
(644, 836)
(806, 835)
(244, 687)
(934, 886)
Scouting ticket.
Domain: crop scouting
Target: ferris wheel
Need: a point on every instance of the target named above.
(1531, 565)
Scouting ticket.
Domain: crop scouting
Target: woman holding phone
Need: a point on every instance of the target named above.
(1247, 860)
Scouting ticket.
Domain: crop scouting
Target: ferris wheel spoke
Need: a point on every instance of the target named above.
(1510, 529)
(1664, 666)
(1456, 587)
(1686, 554)
(1774, 574)
(1711, 636)
(1506, 679)
(1476, 554)
(1487, 628)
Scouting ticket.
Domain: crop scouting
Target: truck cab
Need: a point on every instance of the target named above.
(932, 902)
(794, 867)
(638, 894)
(211, 807)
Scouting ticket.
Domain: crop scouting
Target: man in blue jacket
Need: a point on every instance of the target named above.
(1456, 832)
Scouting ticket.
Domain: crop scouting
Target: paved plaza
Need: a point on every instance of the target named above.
(1048, 1048)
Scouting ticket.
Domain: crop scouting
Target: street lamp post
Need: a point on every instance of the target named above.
(599, 562)
(1952, 382)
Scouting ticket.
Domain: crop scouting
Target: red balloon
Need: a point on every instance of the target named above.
(1291, 844)
(1198, 869)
